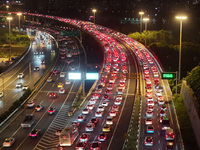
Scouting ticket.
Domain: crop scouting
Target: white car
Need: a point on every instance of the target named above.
(80, 118)
(18, 85)
(25, 87)
(109, 120)
(92, 101)
(112, 113)
(20, 75)
(86, 111)
(8, 142)
(118, 97)
(105, 103)
(158, 93)
(1, 94)
(161, 102)
(62, 74)
(150, 103)
(99, 114)
(115, 107)
(149, 99)
(67, 82)
(89, 127)
(149, 114)
(100, 108)
(90, 106)
(61, 91)
(117, 102)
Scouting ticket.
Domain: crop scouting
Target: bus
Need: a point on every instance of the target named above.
(68, 135)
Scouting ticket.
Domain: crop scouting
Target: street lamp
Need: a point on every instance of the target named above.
(141, 13)
(19, 14)
(181, 18)
(7, 8)
(94, 11)
(146, 20)
(9, 19)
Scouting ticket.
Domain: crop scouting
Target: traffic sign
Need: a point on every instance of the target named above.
(168, 75)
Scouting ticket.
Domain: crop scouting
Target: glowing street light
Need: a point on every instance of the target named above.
(94, 11)
(9, 19)
(7, 8)
(141, 13)
(146, 20)
(181, 18)
(19, 14)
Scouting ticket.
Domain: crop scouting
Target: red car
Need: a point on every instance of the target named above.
(52, 95)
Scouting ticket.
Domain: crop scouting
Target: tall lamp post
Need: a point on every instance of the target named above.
(181, 18)
(146, 20)
(94, 11)
(7, 8)
(141, 13)
(9, 19)
(19, 14)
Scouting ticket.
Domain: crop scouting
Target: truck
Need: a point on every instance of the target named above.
(68, 135)
(28, 121)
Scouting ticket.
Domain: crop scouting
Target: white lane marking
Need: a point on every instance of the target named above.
(14, 95)
(53, 85)
(36, 124)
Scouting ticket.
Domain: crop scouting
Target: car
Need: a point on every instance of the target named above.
(1, 94)
(106, 128)
(95, 146)
(150, 129)
(149, 99)
(60, 85)
(86, 111)
(30, 104)
(95, 96)
(105, 103)
(112, 113)
(92, 101)
(25, 87)
(35, 52)
(115, 107)
(36, 68)
(163, 107)
(67, 82)
(169, 146)
(62, 74)
(118, 97)
(120, 90)
(150, 108)
(148, 141)
(161, 102)
(158, 93)
(20, 75)
(89, 127)
(149, 114)
(18, 85)
(161, 118)
(99, 114)
(58, 132)
(55, 72)
(148, 121)
(39, 107)
(162, 113)
(90, 106)
(102, 137)
(110, 87)
(61, 91)
(49, 79)
(80, 118)
(43, 62)
(109, 120)
(53, 51)
(94, 120)
(34, 133)
(100, 108)
(52, 110)
(81, 146)
(106, 97)
(148, 94)
(112, 80)
(8, 142)
(52, 95)
(84, 137)
(150, 103)
(107, 91)
(75, 123)
(117, 102)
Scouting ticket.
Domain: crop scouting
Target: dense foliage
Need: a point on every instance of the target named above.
(193, 80)
(16, 38)
(166, 48)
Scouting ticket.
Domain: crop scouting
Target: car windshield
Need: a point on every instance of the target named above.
(7, 140)
(33, 132)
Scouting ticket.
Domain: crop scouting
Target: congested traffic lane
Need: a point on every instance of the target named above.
(11, 93)
(41, 98)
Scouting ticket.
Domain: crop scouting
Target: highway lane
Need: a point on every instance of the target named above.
(11, 93)
(41, 97)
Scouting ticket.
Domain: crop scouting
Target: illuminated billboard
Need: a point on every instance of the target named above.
(74, 76)
(92, 76)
